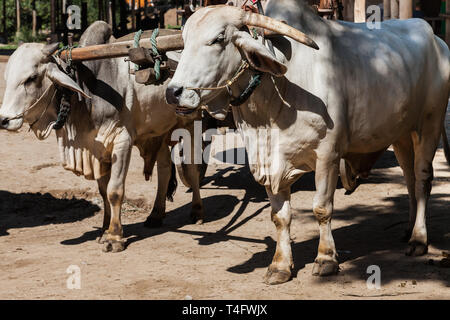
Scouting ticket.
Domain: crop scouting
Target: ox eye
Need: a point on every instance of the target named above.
(31, 79)
(220, 38)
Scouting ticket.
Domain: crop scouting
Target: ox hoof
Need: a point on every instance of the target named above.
(153, 222)
(196, 217)
(416, 249)
(102, 238)
(325, 268)
(406, 235)
(113, 246)
(198, 221)
(274, 276)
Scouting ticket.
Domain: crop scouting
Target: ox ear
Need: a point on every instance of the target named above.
(258, 55)
(62, 79)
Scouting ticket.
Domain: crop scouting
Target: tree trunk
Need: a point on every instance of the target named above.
(18, 17)
(360, 10)
(406, 9)
(110, 15)
(5, 32)
(34, 19)
(394, 9)
(53, 20)
(386, 9)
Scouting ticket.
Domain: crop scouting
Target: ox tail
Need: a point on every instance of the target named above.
(173, 183)
(446, 145)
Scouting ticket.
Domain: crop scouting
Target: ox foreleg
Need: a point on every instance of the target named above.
(102, 188)
(326, 181)
(115, 192)
(280, 269)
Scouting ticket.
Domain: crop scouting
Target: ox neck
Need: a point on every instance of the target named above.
(264, 104)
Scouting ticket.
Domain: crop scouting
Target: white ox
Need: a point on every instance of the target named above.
(360, 92)
(99, 134)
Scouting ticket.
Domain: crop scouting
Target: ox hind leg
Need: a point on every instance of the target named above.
(102, 187)
(279, 270)
(326, 180)
(115, 192)
(404, 152)
(425, 144)
(165, 175)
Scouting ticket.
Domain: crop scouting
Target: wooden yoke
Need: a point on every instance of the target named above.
(169, 40)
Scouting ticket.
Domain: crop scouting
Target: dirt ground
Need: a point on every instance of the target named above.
(49, 219)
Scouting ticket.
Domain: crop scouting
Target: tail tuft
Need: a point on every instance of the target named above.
(446, 145)
(173, 184)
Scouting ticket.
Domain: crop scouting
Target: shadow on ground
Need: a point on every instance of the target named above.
(24, 210)
(374, 239)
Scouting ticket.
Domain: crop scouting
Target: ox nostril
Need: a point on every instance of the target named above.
(178, 92)
(4, 121)
(173, 94)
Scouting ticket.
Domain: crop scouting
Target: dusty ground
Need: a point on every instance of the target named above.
(49, 219)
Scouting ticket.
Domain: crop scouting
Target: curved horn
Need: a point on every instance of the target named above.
(257, 20)
(50, 49)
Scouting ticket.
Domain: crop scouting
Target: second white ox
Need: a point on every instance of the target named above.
(100, 132)
(360, 92)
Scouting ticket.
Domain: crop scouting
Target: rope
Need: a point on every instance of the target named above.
(156, 55)
(70, 68)
(244, 66)
(137, 38)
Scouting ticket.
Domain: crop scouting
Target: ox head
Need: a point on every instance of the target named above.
(216, 41)
(31, 78)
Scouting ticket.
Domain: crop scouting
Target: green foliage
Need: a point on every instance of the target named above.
(43, 17)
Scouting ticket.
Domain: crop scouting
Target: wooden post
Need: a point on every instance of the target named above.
(123, 17)
(360, 11)
(406, 9)
(18, 16)
(100, 9)
(386, 9)
(84, 16)
(138, 15)
(395, 9)
(447, 22)
(133, 15)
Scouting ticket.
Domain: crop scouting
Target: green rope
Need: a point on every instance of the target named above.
(254, 82)
(137, 38)
(69, 59)
(156, 54)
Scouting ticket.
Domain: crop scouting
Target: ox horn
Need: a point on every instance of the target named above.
(257, 20)
(50, 49)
